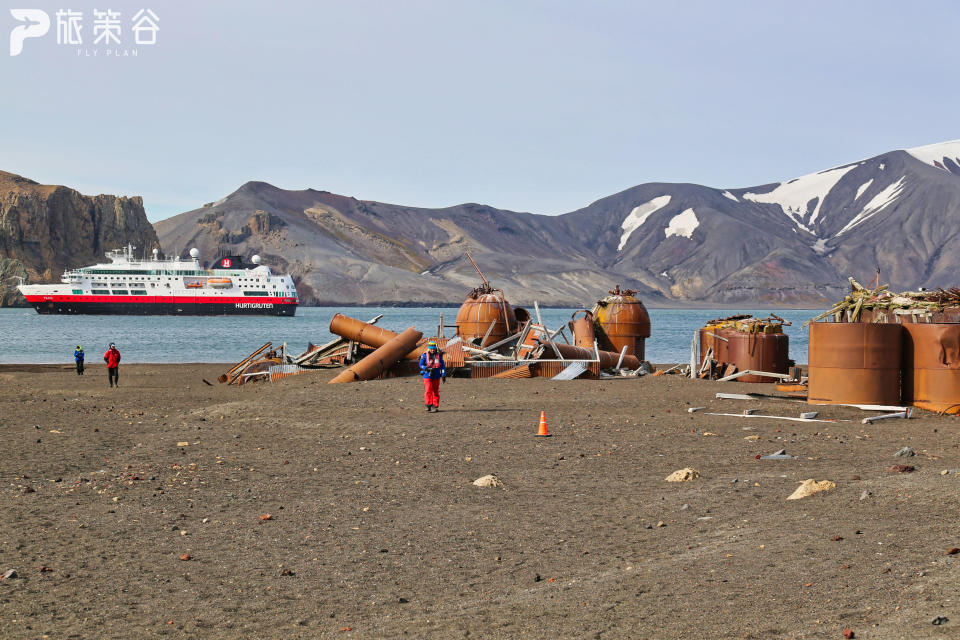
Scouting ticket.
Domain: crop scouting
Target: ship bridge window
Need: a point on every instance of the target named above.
(138, 293)
(119, 293)
(100, 292)
(78, 292)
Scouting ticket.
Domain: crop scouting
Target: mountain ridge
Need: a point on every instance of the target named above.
(788, 243)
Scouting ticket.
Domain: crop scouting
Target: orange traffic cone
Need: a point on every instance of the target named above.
(542, 432)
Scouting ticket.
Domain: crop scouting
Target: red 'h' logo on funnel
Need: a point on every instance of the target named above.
(226, 262)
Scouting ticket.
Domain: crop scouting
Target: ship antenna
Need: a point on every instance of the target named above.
(485, 283)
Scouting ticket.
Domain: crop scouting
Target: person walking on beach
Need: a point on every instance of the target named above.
(78, 358)
(112, 358)
(434, 371)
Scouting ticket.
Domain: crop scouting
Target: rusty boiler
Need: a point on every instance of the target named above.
(931, 366)
(485, 317)
(854, 363)
(622, 320)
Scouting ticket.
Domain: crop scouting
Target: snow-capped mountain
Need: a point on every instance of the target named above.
(791, 243)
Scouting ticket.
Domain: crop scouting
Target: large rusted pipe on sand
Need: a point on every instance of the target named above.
(382, 359)
(582, 328)
(608, 359)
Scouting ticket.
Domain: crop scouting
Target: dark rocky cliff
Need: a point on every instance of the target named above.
(45, 229)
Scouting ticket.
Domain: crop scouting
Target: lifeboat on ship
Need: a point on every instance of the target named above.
(220, 283)
(194, 285)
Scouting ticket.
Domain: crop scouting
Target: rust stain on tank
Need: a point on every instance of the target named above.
(622, 320)
(854, 363)
(931, 366)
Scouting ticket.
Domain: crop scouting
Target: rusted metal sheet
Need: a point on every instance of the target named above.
(931, 366)
(381, 359)
(583, 329)
(608, 359)
(519, 371)
(553, 368)
(622, 320)
(854, 363)
(280, 371)
(490, 369)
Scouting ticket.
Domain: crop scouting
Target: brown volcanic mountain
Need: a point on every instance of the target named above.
(346, 251)
(786, 244)
(47, 229)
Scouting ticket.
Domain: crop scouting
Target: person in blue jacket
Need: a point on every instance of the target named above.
(434, 371)
(78, 358)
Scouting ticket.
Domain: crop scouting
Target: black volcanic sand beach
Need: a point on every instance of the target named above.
(170, 508)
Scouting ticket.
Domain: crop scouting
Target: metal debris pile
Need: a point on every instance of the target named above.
(878, 304)
(365, 352)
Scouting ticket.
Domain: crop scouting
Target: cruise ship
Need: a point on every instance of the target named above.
(171, 286)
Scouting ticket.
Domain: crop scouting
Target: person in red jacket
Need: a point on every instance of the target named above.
(112, 358)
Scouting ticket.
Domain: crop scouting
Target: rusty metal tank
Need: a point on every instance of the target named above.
(931, 366)
(485, 307)
(583, 329)
(854, 363)
(622, 320)
(755, 344)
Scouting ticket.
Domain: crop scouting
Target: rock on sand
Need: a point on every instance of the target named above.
(683, 475)
(488, 481)
(810, 487)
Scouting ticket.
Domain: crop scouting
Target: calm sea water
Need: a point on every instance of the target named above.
(28, 337)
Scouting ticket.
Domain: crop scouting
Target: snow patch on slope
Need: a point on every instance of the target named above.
(934, 154)
(877, 204)
(638, 216)
(682, 224)
(794, 195)
(862, 188)
(727, 194)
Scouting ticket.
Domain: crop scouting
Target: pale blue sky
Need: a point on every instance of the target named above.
(532, 106)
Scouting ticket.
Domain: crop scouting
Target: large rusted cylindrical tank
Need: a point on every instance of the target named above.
(854, 363)
(931, 366)
(622, 320)
(768, 352)
(608, 359)
(381, 359)
(483, 307)
(583, 329)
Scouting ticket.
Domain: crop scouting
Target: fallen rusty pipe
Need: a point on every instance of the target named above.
(608, 359)
(368, 334)
(382, 359)
(359, 331)
(582, 328)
